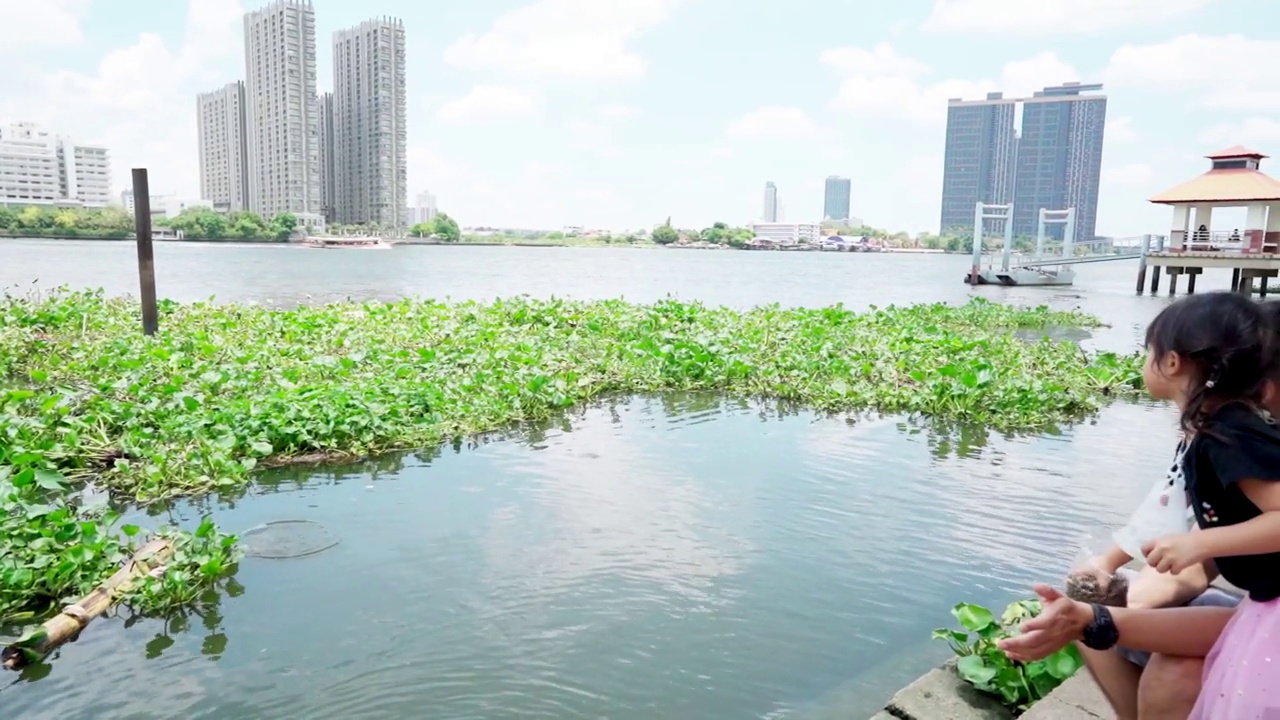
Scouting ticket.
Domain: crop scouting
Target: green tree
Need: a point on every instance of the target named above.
(8, 219)
(665, 234)
(282, 226)
(34, 218)
(447, 228)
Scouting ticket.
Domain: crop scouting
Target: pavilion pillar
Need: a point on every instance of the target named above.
(1255, 228)
(1271, 238)
(1178, 231)
(1202, 227)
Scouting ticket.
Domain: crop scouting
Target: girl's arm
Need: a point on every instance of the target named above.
(1258, 536)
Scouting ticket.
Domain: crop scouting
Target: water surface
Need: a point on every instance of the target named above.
(675, 557)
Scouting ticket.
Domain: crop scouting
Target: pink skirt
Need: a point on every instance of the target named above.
(1242, 671)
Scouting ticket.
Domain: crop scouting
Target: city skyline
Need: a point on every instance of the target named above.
(1052, 162)
(536, 113)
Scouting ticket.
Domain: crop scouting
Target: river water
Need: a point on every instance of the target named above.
(666, 557)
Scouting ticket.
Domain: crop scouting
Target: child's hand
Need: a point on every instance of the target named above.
(1175, 553)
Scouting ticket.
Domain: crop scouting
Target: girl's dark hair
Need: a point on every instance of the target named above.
(1230, 343)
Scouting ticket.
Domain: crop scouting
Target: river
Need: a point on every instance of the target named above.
(666, 557)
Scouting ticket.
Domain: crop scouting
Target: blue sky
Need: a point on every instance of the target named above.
(620, 113)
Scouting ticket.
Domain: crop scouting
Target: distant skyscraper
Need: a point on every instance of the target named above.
(223, 144)
(369, 123)
(424, 209)
(835, 203)
(328, 158)
(1060, 158)
(770, 213)
(281, 109)
(980, 158)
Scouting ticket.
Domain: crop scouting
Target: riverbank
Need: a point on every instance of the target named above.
(940, 694)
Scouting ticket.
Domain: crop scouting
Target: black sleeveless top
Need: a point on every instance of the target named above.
(1237, 444)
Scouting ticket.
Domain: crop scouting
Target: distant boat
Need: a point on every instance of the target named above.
(355, 243)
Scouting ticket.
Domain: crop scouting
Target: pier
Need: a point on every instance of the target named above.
(1252, 254)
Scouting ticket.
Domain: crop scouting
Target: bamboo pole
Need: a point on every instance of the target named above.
(66, 625)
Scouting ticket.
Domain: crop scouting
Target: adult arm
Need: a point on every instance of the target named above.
(1182, 631)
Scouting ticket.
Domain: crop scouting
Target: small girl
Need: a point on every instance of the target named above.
(1212, 355)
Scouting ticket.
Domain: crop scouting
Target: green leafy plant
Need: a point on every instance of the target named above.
(222, 390)
(985, 666)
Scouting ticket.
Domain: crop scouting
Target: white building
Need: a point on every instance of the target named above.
(423, 210)
(370, 124)
(787, 233)
(282, 111)
(39, 168)
(223, 145)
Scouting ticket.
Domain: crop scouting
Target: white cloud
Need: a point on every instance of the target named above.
(882, 83)
(617, 111)
(1258, 132)
(772, 122)
(1120, 129)
(1052, 16)
(29, 24)
(491, 102)
(585, 39)
(140, 100)
(1226, 72)
(1133, 174)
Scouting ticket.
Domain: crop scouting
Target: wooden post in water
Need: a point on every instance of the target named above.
(146, 254)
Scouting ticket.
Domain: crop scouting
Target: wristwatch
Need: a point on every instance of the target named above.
(1101, 634)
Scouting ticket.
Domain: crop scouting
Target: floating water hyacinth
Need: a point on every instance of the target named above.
(222, 389)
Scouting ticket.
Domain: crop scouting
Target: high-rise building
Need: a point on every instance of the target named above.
(369, 123)
(1060, 158)
(770, 213)
(836, 198)
(40, 168)
(980, 158)
(424, 209)
(223, 143)
(328, 159)
(282, 111)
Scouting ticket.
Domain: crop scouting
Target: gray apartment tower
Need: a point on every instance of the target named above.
(281, 109)
(980, 158)
(1060, 158)
(223, 146)
(328, 157)
(1055, 164)
(369, 123)
(835, 202)
(770, 211)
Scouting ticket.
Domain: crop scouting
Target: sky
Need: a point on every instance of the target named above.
(618, 114)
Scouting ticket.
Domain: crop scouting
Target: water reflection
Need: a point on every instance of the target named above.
(679, 556)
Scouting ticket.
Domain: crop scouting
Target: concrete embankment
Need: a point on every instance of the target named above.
(940, 694)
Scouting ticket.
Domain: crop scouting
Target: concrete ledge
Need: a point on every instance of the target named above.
(940, 694)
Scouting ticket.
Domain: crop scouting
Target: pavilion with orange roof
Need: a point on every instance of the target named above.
(1233, 180)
